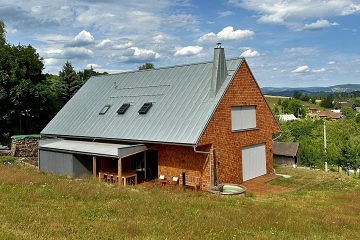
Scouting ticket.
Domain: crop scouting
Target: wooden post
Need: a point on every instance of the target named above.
(94, 167)
(119, 172)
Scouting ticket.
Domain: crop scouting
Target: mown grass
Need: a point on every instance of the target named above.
(35, 205)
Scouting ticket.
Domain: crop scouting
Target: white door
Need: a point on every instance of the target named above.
(253, 161)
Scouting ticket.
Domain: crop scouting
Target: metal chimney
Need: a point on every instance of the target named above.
(219, 70)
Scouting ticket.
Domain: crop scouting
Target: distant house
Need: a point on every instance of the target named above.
(286, 117)
(313, 110)
(286, 153)
(206, 120)
(330, 114)
(340, 105)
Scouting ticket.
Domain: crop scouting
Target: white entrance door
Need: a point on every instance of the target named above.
(253, 161)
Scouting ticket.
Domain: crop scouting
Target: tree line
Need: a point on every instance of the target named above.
(29, 99)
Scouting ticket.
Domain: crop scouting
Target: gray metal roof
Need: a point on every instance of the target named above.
(91, 148)
(182, 105)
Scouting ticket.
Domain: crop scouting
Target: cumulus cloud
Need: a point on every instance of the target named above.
(82, 39)
(188, 51)
(69, 53)
(103, 43)
(319, 70)
(138, 55)
(124, 45)
(250, 53)
(294, 12)
(318, 25)
(227, 33)
(301, 69)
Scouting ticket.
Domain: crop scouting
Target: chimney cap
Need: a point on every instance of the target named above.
(218, 45)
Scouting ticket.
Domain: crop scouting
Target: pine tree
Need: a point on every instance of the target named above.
(68, 84)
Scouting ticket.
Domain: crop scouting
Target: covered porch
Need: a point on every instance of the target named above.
(120, 164)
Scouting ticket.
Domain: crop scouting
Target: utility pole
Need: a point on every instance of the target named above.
(326, 164)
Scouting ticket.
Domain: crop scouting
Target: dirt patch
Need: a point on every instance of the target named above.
(260, 186)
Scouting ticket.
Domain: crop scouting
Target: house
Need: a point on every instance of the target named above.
(286, 153)
(340, 105)
(206, 120)
(330, 114)
(313, 110)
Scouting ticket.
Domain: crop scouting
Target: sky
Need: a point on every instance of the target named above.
(303, 43)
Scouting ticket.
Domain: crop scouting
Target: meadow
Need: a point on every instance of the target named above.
(37, 205)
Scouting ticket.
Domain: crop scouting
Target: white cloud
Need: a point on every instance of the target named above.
(159, 38)
(227, 33)
(319, 70)
(294, 12)
(124, 46)
(350, 9)
(103, 43)
(82, 39)
(136, 55)
(188, 51)
(250, 53)
(225, 14)
(331, 62)
(301, 69)
(318, 25)
(93, 66)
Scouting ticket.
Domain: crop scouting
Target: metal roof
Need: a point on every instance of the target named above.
(289, 149)
(182, 105)
(91, 148)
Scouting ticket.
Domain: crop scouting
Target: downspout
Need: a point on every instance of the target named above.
(210, 161)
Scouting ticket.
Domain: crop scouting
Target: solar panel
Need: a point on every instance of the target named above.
(145, 108)
(123, 108)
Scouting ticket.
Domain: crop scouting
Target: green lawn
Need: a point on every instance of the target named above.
(273, 100)
(35, 205)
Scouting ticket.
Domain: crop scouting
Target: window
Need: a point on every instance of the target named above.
(104, 109)
(145, 108)
(243, 117)
(123, 108)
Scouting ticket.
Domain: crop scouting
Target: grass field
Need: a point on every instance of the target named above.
(35, 205)
(273, 100)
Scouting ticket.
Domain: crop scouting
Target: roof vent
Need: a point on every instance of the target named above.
(123, 108)
(145, 108)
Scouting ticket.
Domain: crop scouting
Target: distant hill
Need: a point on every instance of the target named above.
(289, 92)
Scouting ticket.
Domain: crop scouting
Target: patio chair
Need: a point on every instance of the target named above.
(174, 181)
(162, 180)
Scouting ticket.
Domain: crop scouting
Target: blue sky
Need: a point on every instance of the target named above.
(286, 43)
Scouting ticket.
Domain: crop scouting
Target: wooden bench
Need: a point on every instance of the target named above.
(193, 182)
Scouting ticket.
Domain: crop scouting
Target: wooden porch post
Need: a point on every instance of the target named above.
(119, 172)
(94, 167)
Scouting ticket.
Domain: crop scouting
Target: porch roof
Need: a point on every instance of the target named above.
(91, 148)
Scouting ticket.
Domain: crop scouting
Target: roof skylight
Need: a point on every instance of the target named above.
(123, 108)
(104, 109)
(145, 108)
